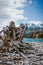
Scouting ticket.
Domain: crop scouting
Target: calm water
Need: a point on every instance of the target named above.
(27, 40)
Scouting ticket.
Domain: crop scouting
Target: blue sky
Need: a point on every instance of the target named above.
(21, 11)
(34, 11)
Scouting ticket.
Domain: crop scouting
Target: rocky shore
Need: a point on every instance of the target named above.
(26, 54)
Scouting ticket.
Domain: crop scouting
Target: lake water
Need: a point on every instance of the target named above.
(31, 40)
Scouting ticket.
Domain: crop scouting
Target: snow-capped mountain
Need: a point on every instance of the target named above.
(30, 24)
(41, 25)
(34, 27)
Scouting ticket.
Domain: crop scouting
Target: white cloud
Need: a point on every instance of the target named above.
(30, 2)
(9, 10)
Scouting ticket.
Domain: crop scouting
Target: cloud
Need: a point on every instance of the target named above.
(4, 14)
(20, 3)
(30, 2)
(12, 10)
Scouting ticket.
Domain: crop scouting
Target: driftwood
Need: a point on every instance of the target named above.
(18, 58)
(39, 54)
(19, 51)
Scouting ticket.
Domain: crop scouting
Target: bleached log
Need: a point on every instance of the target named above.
(19, 51)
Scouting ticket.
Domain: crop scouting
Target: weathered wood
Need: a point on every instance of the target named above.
(18, 58)
(19, 51)
(39, 54)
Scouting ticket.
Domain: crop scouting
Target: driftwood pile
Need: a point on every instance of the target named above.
(13, 51)
(11, 33)
(10, 42)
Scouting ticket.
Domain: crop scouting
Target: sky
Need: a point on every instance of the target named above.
(21, 11)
